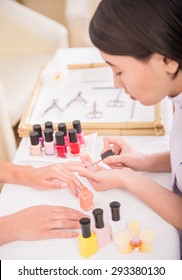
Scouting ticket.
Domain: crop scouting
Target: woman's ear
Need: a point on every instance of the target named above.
(170, 65)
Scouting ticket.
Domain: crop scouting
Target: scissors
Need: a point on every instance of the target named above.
(54, 105)
(95, 114)
(116, 102)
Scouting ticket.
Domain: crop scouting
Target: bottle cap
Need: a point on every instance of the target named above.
(49, 125)
(62, 127)
(98, 217)
(115, 210)
(73, 135)
(77, 126)
(48, 134)
(60, 138)
(85, 227)
(34, 139)
(38, 129)
(107, 154)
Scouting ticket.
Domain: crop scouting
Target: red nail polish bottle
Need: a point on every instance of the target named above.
(73, 142)
(78, 127)
(60, 144)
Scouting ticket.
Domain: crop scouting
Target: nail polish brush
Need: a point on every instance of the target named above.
(103, 156)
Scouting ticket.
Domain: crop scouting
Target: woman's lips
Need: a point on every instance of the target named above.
(132, 97)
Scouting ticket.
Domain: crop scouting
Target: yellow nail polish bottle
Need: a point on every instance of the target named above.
(87, 242)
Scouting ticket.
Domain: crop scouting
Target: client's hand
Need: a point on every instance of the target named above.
(55, 177)
(40, 222)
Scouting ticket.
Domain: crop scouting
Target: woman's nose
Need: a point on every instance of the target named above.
(117, 82)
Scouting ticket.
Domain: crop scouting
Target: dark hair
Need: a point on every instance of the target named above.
(138, 28)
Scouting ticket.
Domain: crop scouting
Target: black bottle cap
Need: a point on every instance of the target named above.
(34, 138)
(77, 126)
(85, 227)
(98, 217)
(49, 125)
(73, 135)
(59, 138)
(48, 134)
(38, 129)
(62, 127)
(107, 154)
(115, 210)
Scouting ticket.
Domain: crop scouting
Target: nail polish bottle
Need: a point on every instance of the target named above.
(62, 127)
(78, 127)
(87, 242)
(60, 144)
(49, 124)
(48, 143)
(73, 142)
(86, 199)
(38, 129)
(116, 223)
(103, 232)
(35, 147)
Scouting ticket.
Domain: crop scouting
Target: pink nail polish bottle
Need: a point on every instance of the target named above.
(78, 127)
(60, 144)
(35, 147)
(103, 232)
(62, 127)
(38, 129)
(73, 142)
(49, 143)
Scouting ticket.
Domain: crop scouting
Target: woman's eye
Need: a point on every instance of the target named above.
(118, 74)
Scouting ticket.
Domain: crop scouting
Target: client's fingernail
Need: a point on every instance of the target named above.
(64, 185)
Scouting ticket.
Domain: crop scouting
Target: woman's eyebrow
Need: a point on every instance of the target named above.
(110, 63)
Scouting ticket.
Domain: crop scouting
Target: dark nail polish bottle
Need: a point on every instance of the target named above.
(38, 129)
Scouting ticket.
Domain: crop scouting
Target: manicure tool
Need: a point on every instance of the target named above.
(116, 102)
(78, 97)
(95, 114)
(103, 156)
(132, 109)
(54, 105)
(103, 88)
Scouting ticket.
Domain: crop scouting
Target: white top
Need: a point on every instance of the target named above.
(176, 148)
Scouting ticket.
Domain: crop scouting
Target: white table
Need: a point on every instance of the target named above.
(14, 198)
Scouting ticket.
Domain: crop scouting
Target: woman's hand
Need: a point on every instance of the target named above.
(40, 222)
(125, 155)
(55, 177)
(103, 178)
